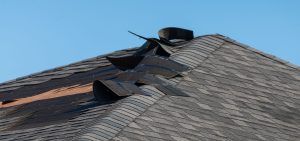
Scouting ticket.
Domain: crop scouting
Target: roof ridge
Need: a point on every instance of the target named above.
(269, 56)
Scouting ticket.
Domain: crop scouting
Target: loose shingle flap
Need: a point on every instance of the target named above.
(149, 64)
(164, 62)
(146, 47)
(150, 60)
(161, 66)
(173, 33)
(158, 70)
(163, 50)
(148, 79)
(129, 76)
(161, 85)
(168, 38)
(154, 47)
(113, 90)
(130, 62)
(125, 62)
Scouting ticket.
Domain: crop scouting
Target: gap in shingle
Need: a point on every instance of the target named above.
(8, 101)
(104, 94)
(161, 52)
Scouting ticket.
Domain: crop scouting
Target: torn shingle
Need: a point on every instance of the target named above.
(113, 90)
(125, 62)
(177, 88)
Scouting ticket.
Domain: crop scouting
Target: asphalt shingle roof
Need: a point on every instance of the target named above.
(228, 91)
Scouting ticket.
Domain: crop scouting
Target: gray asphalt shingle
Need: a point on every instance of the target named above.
(233, 92)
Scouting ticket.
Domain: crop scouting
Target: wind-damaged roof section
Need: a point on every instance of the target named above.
(177, 87)
(140, 65)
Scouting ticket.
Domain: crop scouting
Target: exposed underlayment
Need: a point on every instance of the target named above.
(178, 87)
(54, 93)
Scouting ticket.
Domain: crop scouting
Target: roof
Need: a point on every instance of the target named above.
(178, 87)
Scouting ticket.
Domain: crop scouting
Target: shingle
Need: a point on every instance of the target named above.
(103, 127)
(179, 138)
(93, 137)
(187, 126)
(134, 125)
(231, 106)
(128, 113)
(133, 136)
(120, 139)
(204, 106)
(234, 93)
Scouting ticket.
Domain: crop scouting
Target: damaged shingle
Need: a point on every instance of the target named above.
(172, 88)
(125, 62)
(151, 58)
(112, 90)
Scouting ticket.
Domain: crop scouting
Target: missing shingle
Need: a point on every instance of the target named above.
(8, 101)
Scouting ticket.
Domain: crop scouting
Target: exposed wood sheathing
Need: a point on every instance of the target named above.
(55, 93)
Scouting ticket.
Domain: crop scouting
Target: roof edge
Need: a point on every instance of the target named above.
(272, 57)
(61, 67)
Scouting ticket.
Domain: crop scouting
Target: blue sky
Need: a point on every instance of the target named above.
(36, 35)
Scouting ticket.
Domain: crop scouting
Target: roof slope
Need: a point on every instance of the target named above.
(231, 92)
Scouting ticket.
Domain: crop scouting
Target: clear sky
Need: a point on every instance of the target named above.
(36, 35)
